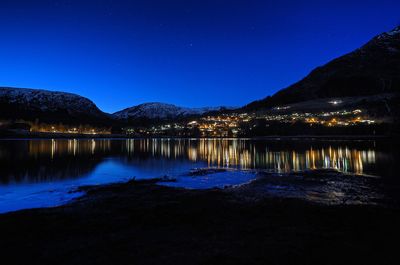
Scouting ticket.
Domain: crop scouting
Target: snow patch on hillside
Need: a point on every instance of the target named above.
(44, 100)
(157, 110)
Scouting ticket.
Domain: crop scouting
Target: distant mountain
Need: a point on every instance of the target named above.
(370, 70)
(49, 106)
(368, 77)
(161, 111)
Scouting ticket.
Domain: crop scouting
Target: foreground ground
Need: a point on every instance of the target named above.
(143, 223)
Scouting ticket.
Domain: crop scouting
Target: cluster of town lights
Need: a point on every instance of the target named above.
(231, 124)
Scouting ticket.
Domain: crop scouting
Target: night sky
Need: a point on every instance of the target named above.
(185, 52)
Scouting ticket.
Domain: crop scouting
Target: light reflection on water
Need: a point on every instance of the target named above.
(245, 154)
(231, 153)
(36, 166)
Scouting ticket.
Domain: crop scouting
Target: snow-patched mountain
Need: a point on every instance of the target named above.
(157, 110)
(370, 70)
(31, 104)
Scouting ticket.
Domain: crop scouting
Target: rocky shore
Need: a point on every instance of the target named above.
(140, 222)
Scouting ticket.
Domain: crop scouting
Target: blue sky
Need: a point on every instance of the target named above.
(185, 52)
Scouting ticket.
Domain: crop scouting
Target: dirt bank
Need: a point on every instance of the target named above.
(143, 223)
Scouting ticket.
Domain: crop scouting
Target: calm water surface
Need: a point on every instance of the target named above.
(40, 173)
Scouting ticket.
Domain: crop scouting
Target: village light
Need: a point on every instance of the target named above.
(335, 102)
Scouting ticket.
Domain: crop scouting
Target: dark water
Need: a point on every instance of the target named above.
(39, 173)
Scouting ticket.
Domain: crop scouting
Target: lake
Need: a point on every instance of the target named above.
(47, 172)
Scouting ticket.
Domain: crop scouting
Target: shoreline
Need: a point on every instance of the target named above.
(309, 185)
(120, 136)
(154, 224)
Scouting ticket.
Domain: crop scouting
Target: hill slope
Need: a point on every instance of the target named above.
(48, 106)
(161, 111)
(370, 70)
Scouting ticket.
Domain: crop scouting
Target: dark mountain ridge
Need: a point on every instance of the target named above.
(370, 70)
